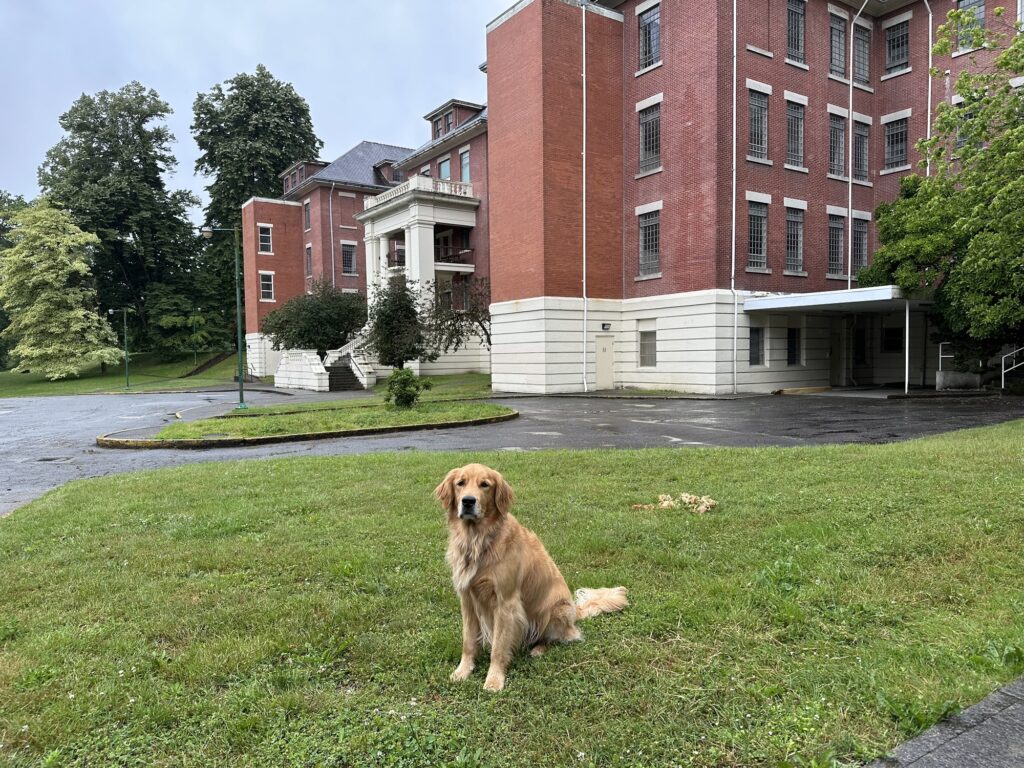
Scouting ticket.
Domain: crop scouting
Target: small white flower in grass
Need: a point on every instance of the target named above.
(24, 728)
(71, 695)
(581, 756)
(120, 673)
(131, 700)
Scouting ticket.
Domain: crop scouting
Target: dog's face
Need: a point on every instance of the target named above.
(474, 492)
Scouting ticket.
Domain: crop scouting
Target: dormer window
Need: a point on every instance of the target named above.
(396, 175)
(448, 119)
(437, 127)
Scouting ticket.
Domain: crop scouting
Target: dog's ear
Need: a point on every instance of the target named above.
(503, 495)
(445, 492)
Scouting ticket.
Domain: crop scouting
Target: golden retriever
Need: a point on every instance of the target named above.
(510, 590)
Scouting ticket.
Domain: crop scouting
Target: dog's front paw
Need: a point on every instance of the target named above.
(461, 673)
(494, 682)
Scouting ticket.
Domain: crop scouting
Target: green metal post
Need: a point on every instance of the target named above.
(127, 382)
(195, 352)
(238, 322)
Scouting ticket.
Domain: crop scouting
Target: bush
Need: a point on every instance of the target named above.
(404, 388)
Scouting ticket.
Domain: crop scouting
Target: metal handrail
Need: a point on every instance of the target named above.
(942, 356)
(450, 254)
(1012, 356)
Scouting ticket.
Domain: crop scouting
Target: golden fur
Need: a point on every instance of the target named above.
(510, 590)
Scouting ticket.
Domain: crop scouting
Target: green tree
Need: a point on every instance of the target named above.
(453, 325)
(396, 333)
(46, 286)
(9, 206)
(324, 319)
(958, 234)
(108, 172)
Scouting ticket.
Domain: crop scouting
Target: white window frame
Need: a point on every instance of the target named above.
(642, 327)
(464, 168)
(440, 173)
(307, 261)
(355, 257)
(273, 294)
(259, 239)
(307, 215)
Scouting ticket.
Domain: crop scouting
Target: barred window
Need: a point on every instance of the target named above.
(305, 215)
(837, 42)
(348, 258)
(897, 47)
(794, 354)
(794, 240)
(860, 151)
(650, 37)
(650, 243)
(976, 7)
(757, 232)
(266, 239)
(309, 261)
(795, 30)
(836, 145)
(860, 245)
(896, 143)
(861, 54)
(266, 286)
(836, 234)
(758, 143)
(650, 138)
(648, 349)
(795, 134)
(756, 346)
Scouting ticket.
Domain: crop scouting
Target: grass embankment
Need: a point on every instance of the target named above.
(145, 372)
(330, 420)
(299, 612)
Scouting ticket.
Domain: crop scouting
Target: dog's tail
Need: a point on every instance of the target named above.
(591, 602)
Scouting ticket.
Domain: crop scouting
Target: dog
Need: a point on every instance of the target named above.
(510, 590)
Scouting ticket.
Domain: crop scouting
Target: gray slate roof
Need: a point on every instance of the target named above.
(356, 165)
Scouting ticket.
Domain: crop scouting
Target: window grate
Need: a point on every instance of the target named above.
(794, 240)
(757, 146)
(860, 151)
(977, 8)
(861, 54)
(306, 220)
(860, 245)
(795, 134)
(897, 47)
(836, 234)
(648, 349)
(756, 346)
(650, 243)
(348, 259)
(795, 21)
(757, 234)
(896, 143)
(650, 37)
(650, 138)
(836, 145)
(837, 42)
(309, 261)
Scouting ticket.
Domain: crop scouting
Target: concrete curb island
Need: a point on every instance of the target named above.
(110, 440)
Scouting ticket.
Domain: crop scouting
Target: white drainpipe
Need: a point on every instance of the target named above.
(849, 169)
(330, 220)
(583, 10)
(928, 165)
(732, 274)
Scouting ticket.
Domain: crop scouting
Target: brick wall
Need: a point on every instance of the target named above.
(286, 262)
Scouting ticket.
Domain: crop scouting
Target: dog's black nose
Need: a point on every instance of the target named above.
(468, 501)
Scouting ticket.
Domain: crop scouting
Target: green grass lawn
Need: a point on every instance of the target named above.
(299, 612)
(331, 420)
(146, 372)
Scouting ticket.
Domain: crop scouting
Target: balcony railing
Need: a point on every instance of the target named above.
(421, 184)
(449, 254)
(396, 258)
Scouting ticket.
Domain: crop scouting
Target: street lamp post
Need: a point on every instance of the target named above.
(195, 349)
(207, 232)
(124, 313)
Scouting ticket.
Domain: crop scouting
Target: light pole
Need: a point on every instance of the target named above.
(124, 313)
(207, 232)
(195, 350)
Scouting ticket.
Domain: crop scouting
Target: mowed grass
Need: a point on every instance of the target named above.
(299, 612)
(145, 372)
(332, 420)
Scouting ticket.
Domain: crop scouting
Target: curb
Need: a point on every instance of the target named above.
(110, 440)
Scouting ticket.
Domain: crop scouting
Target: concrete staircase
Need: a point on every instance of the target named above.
(341, 378)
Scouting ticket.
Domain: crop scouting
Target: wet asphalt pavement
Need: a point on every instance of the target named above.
(48, 441)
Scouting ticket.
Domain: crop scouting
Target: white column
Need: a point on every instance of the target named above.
(906, 349)
(372, 266)
(419, 251)
(383, 240)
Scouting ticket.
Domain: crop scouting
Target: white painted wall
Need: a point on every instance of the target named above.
(261, 358)
(302, 369)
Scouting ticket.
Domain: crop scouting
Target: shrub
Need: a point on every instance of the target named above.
(404, 388)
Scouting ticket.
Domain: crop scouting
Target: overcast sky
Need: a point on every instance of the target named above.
(369, 69)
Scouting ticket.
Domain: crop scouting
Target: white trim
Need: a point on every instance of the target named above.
(651, 172)
(835, 210)
(863, 215)
(425, 168)
(898, 19)
(655, 65)
(897, 73)
(760, 51)
(347, 226)
(792, 202)
(894, 116)
(349, 242)
(964, 52)
(650, 101)
(347, 194)
(466, 148)
(758, 197)
(865, 88)
(646, 6)
(865, 22)
(827, 299)
(798, 64)
(761, 160)
(837, 177)
(866, 119)
(899, 169)
(796, 98)
(757, 85)
(956, 99)
(838, 79)
(264, 224)
(835, 110)
(649, 207)
(836, 10)
(269, 200)
(799, 168)
(273, 287)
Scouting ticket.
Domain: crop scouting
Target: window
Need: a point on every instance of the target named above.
(309, 261)
(861, 54)
(650, 138)
(266, 286)
(897, 47)
(860, 245)
(860, 151)
(793, 351)
(306, 221)
(397, 175)
(650, 243)
(836, 234)
(650, 37)
(892, 339)
(757, 234)
(795, 30)
(837, 42)
(795, 134)
(836, 145)
(756, 346)
(448, 119)
(444, 169)
(437, 127)
(266, 238)
(896, 143)
(976, 7)
(348, 258)
(758, 143)
(794, 240)
(464, 166)
(648, 349)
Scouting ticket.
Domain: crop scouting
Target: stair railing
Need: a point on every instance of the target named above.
(1009, 362)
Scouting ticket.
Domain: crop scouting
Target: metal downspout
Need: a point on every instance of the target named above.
(330, 219)
(849, 170)
(906, 348)
(583, 10)
(732, 272)
(928, 164)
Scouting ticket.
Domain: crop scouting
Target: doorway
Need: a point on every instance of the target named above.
(604, 361)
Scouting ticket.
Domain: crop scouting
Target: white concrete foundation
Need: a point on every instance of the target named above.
(261, 357)
(302, 369)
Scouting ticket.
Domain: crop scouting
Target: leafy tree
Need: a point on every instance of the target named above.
(958, 234)
(396, 333)
(324, 319)
(46, 285)
(108, 172)
(453, 327)
(9, 205)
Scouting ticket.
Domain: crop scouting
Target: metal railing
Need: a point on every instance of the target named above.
(396, 258)
(450, 254)
(421, 184)
(1009, 362)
